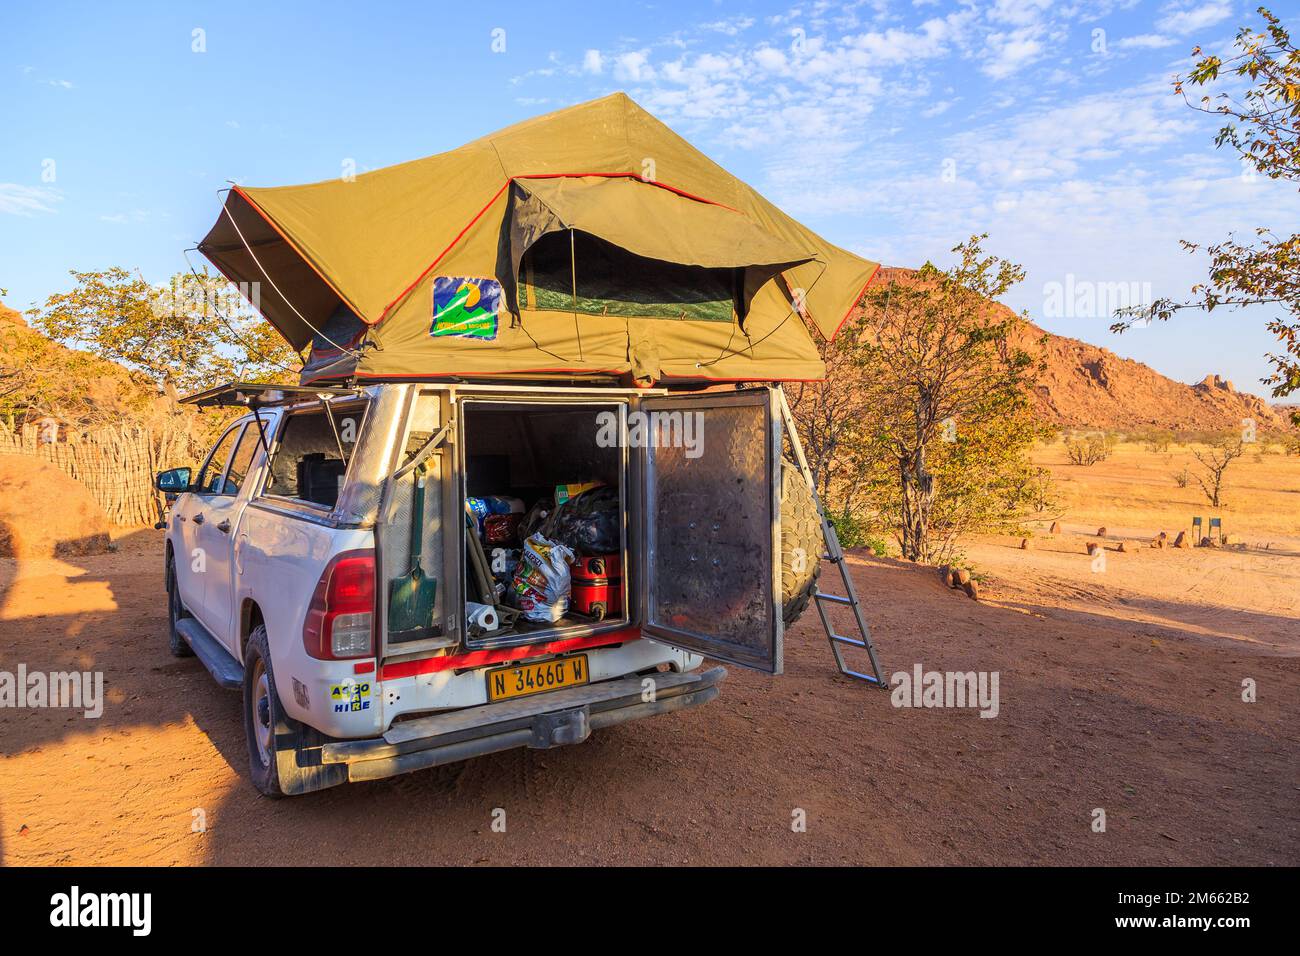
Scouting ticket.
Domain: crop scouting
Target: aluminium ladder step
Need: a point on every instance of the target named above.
(834, 554)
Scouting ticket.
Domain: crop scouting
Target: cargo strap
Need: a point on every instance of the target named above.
(834, 554)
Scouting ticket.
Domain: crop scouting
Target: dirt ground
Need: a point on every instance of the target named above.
(1158, 490)
(1131, 704)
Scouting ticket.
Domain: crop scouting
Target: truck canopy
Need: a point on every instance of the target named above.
(592, 242)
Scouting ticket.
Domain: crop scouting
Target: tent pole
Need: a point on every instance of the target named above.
(573, 273)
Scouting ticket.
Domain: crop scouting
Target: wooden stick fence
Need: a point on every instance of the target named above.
(117, 465)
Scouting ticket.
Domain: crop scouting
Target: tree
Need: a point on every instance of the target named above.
(930, 419)
(1263, 126)
(1215, 461)
(1089, 449)
(191, 335)
(835, 423)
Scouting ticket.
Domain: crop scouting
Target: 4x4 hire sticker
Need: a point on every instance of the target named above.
(350, 696)
(465, 307)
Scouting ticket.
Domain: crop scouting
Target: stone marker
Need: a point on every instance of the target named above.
(1026, 544)
(1181, 540)
(1122, 548)
(1101, 532)
(1056, 527)
(961, 577)
(945, 574)
(972, 590)
(1094, 549)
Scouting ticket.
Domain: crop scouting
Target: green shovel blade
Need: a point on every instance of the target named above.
(411, 602)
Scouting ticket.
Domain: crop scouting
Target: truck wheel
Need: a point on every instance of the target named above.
(273, 736)
(175, 611)
(802, 544)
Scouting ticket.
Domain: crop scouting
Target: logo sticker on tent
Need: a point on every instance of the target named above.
(465, 307)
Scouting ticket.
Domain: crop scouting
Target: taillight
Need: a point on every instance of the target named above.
(340, 620)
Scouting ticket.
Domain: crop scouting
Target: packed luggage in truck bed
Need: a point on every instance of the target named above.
(535, 458)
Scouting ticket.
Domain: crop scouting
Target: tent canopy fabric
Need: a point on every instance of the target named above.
(454, 265)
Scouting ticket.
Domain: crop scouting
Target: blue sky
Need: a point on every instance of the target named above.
(896, 128)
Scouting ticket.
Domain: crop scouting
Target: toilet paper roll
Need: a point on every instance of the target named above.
(482, 616)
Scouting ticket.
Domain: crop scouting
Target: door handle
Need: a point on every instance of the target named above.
(224, 525)
(198, 518)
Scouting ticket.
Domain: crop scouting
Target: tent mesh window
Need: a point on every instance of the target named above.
(612, 281)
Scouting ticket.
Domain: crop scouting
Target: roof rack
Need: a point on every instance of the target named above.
(255, 395)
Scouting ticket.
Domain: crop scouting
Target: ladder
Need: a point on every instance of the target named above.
(834, 554)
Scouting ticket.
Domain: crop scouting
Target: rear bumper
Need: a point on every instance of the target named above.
(554, 719)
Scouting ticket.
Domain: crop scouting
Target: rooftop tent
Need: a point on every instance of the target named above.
(588, 243)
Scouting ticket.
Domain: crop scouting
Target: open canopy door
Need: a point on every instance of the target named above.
(711, 532)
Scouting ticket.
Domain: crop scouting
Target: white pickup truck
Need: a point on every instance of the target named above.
(313, 511)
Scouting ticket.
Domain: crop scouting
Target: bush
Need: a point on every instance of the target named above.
(1158, 441)
(851, 530)
(1089, 449)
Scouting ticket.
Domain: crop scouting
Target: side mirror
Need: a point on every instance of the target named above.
(173, 481)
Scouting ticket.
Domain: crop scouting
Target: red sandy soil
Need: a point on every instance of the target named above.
(1127, 702)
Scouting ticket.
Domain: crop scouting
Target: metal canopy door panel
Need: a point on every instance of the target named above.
(712, 526)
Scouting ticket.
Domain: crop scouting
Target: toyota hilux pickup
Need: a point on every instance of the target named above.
(322, 562)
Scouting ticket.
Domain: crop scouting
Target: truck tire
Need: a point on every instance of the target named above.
(175, 611)
(273, 736)
(802, 544)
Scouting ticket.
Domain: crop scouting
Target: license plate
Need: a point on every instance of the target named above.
(525, 679)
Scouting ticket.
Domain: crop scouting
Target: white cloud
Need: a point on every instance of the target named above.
(1009, 52)
(730, 27)
(19, 200)
(593, 62)
(633, 67)
(1183, 18)
(1018, 12)
(1145, 41)
(897, 45)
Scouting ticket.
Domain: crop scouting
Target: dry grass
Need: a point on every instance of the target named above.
(1136, 488)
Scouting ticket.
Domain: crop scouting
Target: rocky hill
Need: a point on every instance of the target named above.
(40, 377)
(1086, 386)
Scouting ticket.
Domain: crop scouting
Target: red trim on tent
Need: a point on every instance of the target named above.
(292, 245)
(401, 295)
(518, 373)
(854, 304)
(478, 215)
(649, 182)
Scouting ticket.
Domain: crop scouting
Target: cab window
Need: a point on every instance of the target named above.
(209, 481)
(242, 460)
(307, 465)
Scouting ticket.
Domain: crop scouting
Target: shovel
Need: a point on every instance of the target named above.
(411, 595)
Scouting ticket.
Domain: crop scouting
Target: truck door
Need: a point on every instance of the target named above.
(191, 512)
(710, 523)
(219, 532)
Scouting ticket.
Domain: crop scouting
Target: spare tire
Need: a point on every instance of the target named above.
(802, 543)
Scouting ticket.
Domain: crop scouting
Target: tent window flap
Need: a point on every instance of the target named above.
(612, 281)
